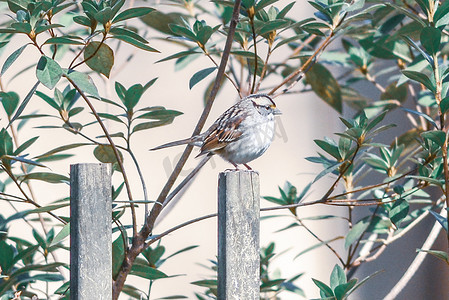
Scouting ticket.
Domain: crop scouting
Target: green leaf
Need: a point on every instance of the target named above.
(7, 256)
(147, 272)
(48, 72)
(24, 102)
(136, 43)
(12, 58)
(82, 20)
(188, 248)
(325, 86)
(184, 32)
(43, 277)
(47, 208)
(430, 39)
(22, 159)
(99, 57)
(363, 281)
(127, 32)
(373, 123)
(160, 21)
(105, 154)
(160, 114)
(376, 163)
(179, 55)
(355, 233)
(24, 254)
(132, 96)
(9, 100)
(324, 288)
(149, 84)
(64, 289)
(421, 114)
(61, 148)
(47, 177)
(444, 104)
(149, 125)
(438, 254)
(104, 15)
(132, 13)
(272, 26)
(328, 170)
(395, 92)
(329, 147)
(437, 136)
(84, 83)
(22, 27)
(442, 220)
(338, 277)
(62, 234)
(210, 283)
(16, 5)
(111, 117)
(399, 211)
(421, 78)
(63, 41)
(40, 29)
(341, 291)
(423, 53)
(117, 6)
(118, 254)
(200, 75)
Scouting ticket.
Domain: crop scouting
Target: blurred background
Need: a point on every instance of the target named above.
(305, 118)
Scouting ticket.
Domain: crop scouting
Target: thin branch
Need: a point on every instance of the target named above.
(146, 230)
(320, 240)
(155, 238)
(301, 71)
(342, 173)
(138, 244)
(142, 179)
(186, 180)
(114, 149)
(28, 199)
(372, 79)
(264, 69)
(253, 30)
(225, 74)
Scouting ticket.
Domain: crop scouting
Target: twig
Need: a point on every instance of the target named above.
(114, 149)
(320, 240)
(28, 199)
(138, 244)
(264, 69)
(225, 74)
(253, 30)
(142, 179)
(167, 232)
(301, 71)
(186, 180)
(342, 173)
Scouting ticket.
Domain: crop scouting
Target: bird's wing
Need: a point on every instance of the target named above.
(224, 131)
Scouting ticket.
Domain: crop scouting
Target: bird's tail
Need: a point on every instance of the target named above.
(175, 143)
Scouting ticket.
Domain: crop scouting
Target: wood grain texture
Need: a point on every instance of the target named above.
(90, 232)
(238, 235)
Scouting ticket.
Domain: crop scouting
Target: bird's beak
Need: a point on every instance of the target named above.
(277, 111)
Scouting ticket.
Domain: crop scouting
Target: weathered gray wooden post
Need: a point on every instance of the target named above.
(238, 235)
(90, 232)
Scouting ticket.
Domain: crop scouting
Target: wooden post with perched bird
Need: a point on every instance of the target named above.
(90, 231)
(238, 235)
